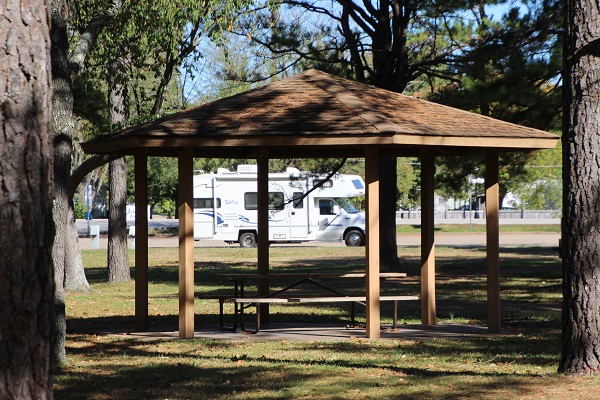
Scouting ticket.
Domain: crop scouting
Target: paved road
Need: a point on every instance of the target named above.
(442, 239)
(82, 225)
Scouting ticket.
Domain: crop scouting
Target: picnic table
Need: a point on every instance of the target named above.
(241, 301)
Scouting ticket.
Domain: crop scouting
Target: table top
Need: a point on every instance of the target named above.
(242, 276)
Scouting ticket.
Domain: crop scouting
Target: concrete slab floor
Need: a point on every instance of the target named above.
(315, 332)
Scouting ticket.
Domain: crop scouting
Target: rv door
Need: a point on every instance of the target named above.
(298, 216)
(329, 220)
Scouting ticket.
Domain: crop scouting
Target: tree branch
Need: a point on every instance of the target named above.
(85, 168)
(88, 38)
(320, 184)
(311, 7)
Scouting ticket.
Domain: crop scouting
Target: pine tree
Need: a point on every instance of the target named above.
(581, 213)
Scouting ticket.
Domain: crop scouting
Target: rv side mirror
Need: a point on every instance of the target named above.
(336, 209)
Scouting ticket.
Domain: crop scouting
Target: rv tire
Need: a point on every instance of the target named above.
(355, 238)
(247, 239)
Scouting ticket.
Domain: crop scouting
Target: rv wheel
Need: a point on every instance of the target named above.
(355, 238)
(247, 239)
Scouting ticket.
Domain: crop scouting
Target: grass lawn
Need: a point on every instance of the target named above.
(480, 228)
(518, 365)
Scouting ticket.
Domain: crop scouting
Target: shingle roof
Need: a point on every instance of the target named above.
(319, 110)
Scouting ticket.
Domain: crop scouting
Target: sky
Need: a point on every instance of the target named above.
(203, 85)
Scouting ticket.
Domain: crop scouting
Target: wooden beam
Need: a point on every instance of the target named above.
(428, 311)
(186, 242)
(372, 243)
(492, 206)
(141, 240)
(263, 229)
(232, 139)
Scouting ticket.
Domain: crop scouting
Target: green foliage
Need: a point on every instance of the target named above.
(90, 107)
(144, 49)
(162, 181)
(150, 43)
(535, 178)
(208, 165)
(542, 187)
(79, 210)
(454, 51)
(168, 207)
(511, 68)
(408, 179)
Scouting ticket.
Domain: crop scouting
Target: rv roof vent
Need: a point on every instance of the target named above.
(293, 172)
(222, 171)
(247, 169)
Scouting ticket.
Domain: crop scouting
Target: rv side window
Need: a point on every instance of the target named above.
(297, 200)
(250, 201)
(276, 201)
(206, 203)
(326, 184)
(358, 184)
(326, 207)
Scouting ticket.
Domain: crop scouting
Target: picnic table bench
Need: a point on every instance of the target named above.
(325, 299)
(240, 301)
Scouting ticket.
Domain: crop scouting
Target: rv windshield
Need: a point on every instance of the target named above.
(347, 205)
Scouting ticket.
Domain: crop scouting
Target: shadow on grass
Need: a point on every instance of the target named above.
(334, 313)
(133, 369)
(529, 279)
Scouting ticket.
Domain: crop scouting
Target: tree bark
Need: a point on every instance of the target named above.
(581, 191)
(63, 124)
(75, 279)
(26, 191)
(118, 257)
(68, 268)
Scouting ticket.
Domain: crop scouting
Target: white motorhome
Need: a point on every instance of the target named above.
(225, 207)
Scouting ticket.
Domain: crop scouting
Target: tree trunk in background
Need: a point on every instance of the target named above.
(581, 210)
(388, 248)
(62, 112)
(26, 280)
(118, 257)
(75, 279)
(66, 243)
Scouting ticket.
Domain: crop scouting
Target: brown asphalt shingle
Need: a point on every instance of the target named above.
(316, 104)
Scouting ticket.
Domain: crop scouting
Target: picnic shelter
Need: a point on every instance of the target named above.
(317, 115)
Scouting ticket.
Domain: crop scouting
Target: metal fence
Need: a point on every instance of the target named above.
(464, 215)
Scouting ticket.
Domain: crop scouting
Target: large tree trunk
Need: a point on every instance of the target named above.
(581, 214)
(118, 257)
(26, 281)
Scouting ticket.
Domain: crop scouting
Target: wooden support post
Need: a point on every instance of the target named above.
(428, 311)
(373, 330)
(492, 206)
(141, 240)
(263, 229)
(186, 242)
